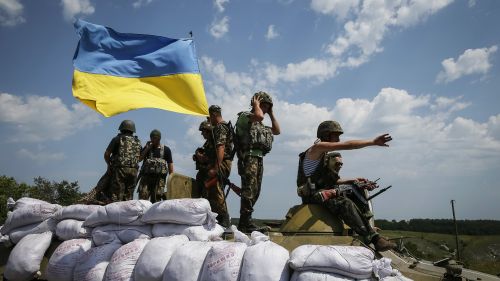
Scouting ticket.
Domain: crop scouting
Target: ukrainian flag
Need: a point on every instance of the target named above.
(117, 72)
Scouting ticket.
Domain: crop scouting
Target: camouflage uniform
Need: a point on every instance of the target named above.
(325, 177)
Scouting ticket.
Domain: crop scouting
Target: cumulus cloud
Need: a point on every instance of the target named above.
(338, 8)
(472, 61)
(141, 3)
(42, 118)
(40, 156)
(271, 32)
(219, 4)
(73, 8)
(11, 12)
(219, 27)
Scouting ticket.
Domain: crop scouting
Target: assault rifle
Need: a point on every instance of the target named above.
(357, 188)
(225, 181)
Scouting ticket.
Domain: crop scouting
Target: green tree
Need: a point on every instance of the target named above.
(10, 188)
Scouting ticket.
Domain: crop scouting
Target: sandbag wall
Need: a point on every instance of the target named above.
(170, 240)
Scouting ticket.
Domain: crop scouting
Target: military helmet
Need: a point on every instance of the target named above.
(214, 108)
(205, 125)
(265, 97)
(127, 125)
(327, 127)
(155, 133)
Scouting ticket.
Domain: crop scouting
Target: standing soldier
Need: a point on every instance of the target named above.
(157, 164)
(122, 156)
(254, 141)
(200, 156)
(220, 160)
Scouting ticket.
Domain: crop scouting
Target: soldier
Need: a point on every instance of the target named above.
(220, 159)
(122, 157)
(254, 141)
(200, 156)
(157, 164)
(319, 168)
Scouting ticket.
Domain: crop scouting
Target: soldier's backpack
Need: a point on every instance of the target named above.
(153, 165)
(252, 135)
(129, 151)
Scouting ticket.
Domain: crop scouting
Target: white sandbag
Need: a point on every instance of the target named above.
(189, 211)
(26, 201)
(125, 233)
(351, 261)
(72, 229)
(17, 234)
(91, 266)
(155, 256)
(193, 232)
(5, 241)
(64, 259)
(11, 203)
(223, 261)
(265, 261)
(77, 212)
(125, 212)
(24, 260)
(122, 263)
(186, 262)
(29, 214)
(320, 276)
(382, 269)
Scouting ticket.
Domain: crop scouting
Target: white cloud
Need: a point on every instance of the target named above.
(219, 4)
(271, 32)
(339, 8)
(40, 156)
(42, 118)
(141, 3)
(472, 61)
(11, 12)
(219, 27)
(73, 8)
(472, 3)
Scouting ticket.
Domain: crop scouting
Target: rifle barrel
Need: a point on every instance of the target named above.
(378, 193)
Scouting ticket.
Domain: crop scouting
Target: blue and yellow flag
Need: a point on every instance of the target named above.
(117, 72)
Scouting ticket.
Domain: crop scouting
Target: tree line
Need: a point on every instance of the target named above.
(444, 226)
(63, 193)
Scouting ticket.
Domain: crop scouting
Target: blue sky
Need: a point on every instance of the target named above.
(427, 72)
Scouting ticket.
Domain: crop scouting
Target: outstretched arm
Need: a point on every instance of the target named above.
(321, 147)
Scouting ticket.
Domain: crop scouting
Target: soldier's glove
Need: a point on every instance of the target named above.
(328, 194)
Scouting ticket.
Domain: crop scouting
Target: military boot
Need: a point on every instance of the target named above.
(224, 220)
(247, 225)
(381, 244)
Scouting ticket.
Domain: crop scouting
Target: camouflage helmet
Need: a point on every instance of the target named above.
(205, 125)
(214, 108)
(265, 97)
(155, 133)
(127, 125)
(327, 127)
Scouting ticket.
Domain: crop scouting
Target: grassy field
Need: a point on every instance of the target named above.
(477, 252)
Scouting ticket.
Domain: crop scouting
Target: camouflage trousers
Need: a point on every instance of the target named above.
(215, 194)
(152, 187)
(351, 214)
(122, 184)
(251, 181)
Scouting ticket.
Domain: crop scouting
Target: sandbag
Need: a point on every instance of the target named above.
(122, 263)
(265, 261)
(77, 212)
(26, 201)
(72, 229)
(193, 232)
(186, 262)
(125, 212)
(64, 259)
(382, 269)
(223, 261)
(17, 234)
(24, 260)
(125, 233)
(29, 214)
(188, 211)
(155, 256)
(91, 266)
(351, 261)
(321, 276)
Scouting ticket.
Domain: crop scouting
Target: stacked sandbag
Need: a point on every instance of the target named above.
(223, 261)
(91, 265)
(123, 261)
(323, 276)
(155, 257)
(70, 221)
(263, 260)
(24, 260)
(119, 221)
(347, 261)
(18, 233)
(186, 263)
(64, 259)
(383, 270)
(187, 216)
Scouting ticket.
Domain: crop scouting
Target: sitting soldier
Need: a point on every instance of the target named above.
(318, 179)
